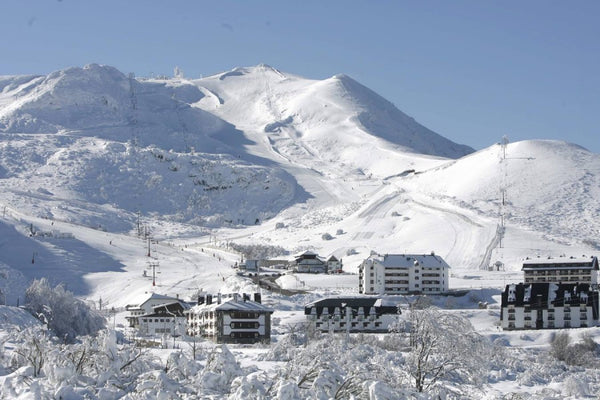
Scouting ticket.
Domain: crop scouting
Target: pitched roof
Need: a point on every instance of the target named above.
(233, 305)
(561, 263)
(352, 301)
(409, 260)
(368, 303)
(541, 295)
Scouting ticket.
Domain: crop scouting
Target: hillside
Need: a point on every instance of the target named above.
(258, 156)
(321, 124)
(91, 160)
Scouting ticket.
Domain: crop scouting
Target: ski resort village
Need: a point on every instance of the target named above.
(259, 235)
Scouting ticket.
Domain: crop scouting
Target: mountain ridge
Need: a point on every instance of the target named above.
(261, 149)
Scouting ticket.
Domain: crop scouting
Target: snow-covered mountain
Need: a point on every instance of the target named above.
(336, 120)
(291, 159)
(214, 151)
(260, 158)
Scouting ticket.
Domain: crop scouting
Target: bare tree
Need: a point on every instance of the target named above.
(33, 350)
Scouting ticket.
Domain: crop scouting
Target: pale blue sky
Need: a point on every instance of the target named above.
(472, 71)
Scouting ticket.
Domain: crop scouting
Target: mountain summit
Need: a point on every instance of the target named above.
(194, 151)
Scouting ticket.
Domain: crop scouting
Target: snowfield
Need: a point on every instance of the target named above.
(91, 159)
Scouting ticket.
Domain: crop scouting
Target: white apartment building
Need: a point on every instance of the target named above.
(403, 274)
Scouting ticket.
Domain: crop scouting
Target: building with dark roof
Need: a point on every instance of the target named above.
(309, 262)
(352, 314)
(549, 305)
(561, 270)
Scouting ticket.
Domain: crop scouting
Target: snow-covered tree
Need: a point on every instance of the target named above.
(220, 371)
(32, 350)
(442, 344)
(65, 315)
(584, 352)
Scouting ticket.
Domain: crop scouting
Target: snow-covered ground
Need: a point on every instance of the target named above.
(255, 156)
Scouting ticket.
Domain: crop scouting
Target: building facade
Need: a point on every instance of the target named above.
(334, 265)
(352, 314)
(561, 270)
(235, 319)
(166, 319)
(158, 314)
(309, 262)
(548, 305)
(403, 274)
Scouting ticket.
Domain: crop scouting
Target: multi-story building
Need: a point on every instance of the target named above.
(403, 274)
(158, 314)
(561, 270)
(548, 305)
(235, 319)
(164, 319)
(309, 262)
(352, 314)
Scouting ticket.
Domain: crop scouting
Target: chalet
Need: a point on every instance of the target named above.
(309, 262)
(352, 314)
(158, 315)
(334, 265)
(403, 274)
(561, 270)
(235, 319)
(548, 305)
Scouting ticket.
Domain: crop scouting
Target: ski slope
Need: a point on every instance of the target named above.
(259, 156)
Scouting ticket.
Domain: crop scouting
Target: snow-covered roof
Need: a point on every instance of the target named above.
(232, 305)
(353, 301)
(160, 301)
(582, 262)
(541, 295)
(410, 260)
(156, 296)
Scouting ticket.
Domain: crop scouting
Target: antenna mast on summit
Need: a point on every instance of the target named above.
(504, 144)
